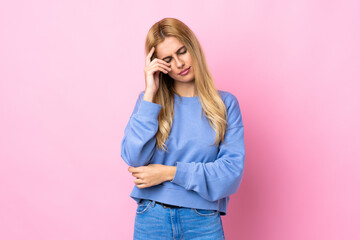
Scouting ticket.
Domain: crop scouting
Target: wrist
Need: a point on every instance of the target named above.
(171, 170)
(149, 96)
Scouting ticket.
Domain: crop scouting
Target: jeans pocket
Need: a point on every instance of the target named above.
(205, 212)
(143, 206)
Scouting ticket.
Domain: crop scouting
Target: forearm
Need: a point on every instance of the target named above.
(149, 96)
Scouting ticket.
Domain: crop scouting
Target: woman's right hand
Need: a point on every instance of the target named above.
(152, 71)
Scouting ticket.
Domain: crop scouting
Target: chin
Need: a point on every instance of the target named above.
(184, 80)
(187, 79)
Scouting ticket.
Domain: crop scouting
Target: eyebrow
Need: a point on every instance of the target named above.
(176, 52)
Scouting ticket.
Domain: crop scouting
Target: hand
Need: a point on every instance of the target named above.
(152, 71)
(150, 175)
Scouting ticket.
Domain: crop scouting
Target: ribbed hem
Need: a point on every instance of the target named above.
(175, 195)
(183, 174)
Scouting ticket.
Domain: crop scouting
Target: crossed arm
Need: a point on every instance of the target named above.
(152, 174)
(211, 180)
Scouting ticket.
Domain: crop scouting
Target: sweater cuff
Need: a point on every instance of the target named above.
(149, 109)
(183, 174)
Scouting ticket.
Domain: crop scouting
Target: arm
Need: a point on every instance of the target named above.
(138, 144)
(170, 173)
(221, 178)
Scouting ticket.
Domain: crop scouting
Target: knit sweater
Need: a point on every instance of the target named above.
(206, 175)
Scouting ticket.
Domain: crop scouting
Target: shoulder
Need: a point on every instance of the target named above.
(228, 98)
(232, 108)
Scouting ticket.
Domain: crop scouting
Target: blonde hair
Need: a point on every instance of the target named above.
(212, 105)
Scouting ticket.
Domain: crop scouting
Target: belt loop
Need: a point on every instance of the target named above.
(152, 203)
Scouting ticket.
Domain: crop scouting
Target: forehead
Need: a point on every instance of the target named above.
(168, 47)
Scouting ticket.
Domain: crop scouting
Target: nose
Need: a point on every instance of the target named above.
(178, 62)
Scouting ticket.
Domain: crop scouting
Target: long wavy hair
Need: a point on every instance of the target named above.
(212, 105)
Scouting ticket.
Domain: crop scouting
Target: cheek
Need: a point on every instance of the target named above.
(171, 73)
(188, 57)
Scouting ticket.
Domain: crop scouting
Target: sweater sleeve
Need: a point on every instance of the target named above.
(138, 144)
(221, 178)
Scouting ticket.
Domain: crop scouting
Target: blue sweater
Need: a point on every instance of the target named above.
(206, 175)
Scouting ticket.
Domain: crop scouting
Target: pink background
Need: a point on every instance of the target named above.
(70, 73)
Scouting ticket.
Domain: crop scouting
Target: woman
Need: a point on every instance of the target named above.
(184, 141)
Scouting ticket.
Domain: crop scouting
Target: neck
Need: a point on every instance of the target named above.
(186, 89)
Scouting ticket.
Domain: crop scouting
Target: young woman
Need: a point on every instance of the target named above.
(184, 141)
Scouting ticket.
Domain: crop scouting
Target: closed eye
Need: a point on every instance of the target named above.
(182, 52)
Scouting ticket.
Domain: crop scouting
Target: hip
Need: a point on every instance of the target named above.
(156, 220)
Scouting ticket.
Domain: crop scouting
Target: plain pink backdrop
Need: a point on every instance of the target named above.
(70, 73)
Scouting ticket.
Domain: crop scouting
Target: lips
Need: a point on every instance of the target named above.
(184, 71)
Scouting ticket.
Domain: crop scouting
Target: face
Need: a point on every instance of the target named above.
(171, 50)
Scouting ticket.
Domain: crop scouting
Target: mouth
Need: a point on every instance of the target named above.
(185, 71)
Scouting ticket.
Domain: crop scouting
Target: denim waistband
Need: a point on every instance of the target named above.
(168, 205)
(163, 204)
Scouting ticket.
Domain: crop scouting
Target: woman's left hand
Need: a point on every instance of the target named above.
(150, 175)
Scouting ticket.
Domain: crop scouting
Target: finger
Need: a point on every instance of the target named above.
(142, 185)
(134, 169)
(160, 61)
(148, 57)
(166, 67)
(159, 68)
(138, 181)
(137, 175)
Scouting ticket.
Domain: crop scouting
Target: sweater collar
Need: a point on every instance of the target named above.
(186, 99)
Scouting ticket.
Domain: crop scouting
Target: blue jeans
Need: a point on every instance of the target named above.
(155, 221)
